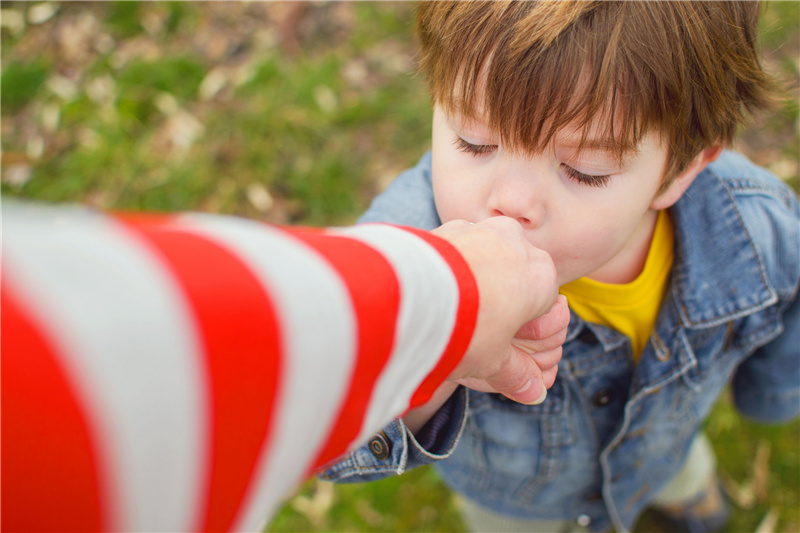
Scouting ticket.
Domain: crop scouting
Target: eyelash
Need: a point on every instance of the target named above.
(585, 179)
(580, 177)
(473, 149)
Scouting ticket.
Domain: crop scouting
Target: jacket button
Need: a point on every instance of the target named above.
(379, 446)
(603, 398)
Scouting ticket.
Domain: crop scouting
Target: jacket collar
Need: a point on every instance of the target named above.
(718, 274)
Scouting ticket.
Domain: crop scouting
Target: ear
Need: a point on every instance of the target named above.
(684, 179)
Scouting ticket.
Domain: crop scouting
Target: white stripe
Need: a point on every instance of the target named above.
(129, 343)
(429, 296)
(317, 321)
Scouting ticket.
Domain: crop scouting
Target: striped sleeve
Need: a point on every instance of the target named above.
(185, 372)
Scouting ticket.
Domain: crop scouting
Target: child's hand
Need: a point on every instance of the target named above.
(542, 339)
(518, 287)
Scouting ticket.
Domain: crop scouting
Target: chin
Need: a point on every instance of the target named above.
(566, 276)
(563, 279)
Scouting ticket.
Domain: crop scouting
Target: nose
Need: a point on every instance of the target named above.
(518, 196)
(525, 222)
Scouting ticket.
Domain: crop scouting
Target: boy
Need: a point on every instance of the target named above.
(599, 127)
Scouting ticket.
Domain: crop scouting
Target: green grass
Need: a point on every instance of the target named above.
(230, 108)
(141, 128)
(21, 82)
(416, 501)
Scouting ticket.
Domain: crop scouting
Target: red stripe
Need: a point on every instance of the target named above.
(465, 319)
(241, 337)
(50, 478)
(375, 294)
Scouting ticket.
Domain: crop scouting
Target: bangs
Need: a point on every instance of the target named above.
(529, 70)
(607, 71)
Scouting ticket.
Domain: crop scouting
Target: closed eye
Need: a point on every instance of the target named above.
(586, 179)
(473, 149)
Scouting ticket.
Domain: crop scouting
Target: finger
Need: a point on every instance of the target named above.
(456, 223)
(479, 385)
(502, 224)
(548, 359)
(549, 376)
(520, 379)
(552, 323)
(540, 345)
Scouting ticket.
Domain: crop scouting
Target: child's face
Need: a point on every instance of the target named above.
(593, 215)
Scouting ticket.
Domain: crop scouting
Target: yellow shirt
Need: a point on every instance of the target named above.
(630, 308)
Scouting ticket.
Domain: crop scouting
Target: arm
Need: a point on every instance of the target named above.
(766, 386)
(185, 372)
(409, 201)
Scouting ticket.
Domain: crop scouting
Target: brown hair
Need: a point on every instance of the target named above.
(689, 70)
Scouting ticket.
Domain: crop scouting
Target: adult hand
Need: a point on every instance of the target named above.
(521, 322)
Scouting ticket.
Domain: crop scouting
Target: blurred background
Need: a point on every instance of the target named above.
(300, 112)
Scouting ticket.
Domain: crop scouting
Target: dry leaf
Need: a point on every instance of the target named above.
(213, 83)
(784, 168)
(34, 148)
(13, 20)
(180, 131)
(50, 117)
(259, 196)
(769, 522)
(325, 98)
(167, 104)
(742, 495)
(41, 13)
(63, 87)
(16, 175)
(102, 90)
(317, 505)
(761, 470)
(368, 513)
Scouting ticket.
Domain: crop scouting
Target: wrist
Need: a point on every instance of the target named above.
(416, 418)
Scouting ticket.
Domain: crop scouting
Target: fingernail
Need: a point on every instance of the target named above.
(543, 396)
(524, 387)
(539, 400)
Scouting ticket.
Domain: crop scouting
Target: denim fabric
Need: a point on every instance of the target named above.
(731, 315)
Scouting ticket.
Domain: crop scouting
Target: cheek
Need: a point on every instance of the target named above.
(449, 198)
(454, 190)
(581, 245)
(578, 241)
(445, 191)
(605, 237)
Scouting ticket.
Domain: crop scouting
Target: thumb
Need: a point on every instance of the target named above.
(520, 378)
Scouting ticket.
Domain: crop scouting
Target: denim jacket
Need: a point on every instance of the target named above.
(611, 433)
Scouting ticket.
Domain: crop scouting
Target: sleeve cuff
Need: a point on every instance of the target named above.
(437, 440)
(766, 408)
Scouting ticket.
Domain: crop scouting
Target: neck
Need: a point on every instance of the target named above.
(629, 262)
